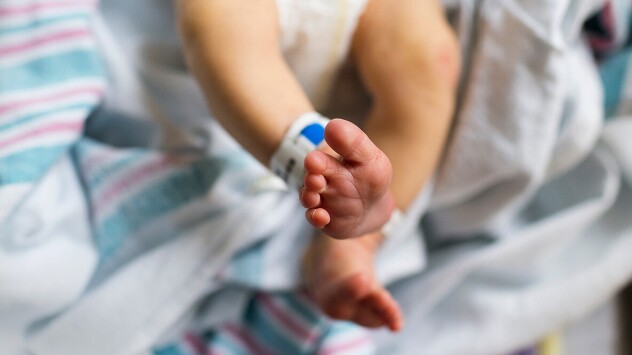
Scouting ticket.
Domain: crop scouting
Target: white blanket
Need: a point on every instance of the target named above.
(527, 225)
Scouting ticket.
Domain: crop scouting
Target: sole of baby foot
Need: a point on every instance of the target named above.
(341, 280)
(349, 195)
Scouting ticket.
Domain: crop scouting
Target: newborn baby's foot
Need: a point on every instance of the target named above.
(339, 275)
(350, 196)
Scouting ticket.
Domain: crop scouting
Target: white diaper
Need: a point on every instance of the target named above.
(316, 36)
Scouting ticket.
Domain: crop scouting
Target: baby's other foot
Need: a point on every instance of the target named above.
(349, 196)
(340, 277)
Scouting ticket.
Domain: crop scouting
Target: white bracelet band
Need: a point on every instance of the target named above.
(391, 225)
(304, 135)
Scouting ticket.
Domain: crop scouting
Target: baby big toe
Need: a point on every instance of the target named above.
(350, 141)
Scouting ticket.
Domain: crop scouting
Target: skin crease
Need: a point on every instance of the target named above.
(407, 58)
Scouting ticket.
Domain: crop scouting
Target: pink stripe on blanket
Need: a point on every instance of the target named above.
(32, 43)
(31, 8)
(97, 160)
(600, 43)
(285, 319)
(75, 127)
(607, 19)
(345, 347)
(241, 336)
(13, 106)
(196, 344)
(133, 178)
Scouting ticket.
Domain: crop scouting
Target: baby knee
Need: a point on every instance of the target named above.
(412, 51)
(432, 60)
(446, 59)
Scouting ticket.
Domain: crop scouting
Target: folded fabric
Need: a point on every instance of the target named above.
(50, 80)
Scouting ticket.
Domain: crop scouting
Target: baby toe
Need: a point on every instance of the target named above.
(366, 317)
(383, 304)
(315, 182)
(309, 199)
(316, 162)
(317, 217)
(350, 141)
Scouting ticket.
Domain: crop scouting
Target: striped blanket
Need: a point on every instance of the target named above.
(50, 81)
(141, 202)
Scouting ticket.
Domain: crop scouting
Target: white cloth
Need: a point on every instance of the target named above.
(525, 115)
(46, 256)
(529, 226)
(530, 221)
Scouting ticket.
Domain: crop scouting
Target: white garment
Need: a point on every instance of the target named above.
(315, 38)
(525, 114)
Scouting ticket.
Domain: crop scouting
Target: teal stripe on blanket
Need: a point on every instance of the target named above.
(228, 345)
(106, 172)
(309, 314)
(156, 201)
(220, 341)
(613, 74)
(247, 267)
(170, 350)
(41, 22)
(47, 112)
(267, 332)
(50, 70)
(29, 165)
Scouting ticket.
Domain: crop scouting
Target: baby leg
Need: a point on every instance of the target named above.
(408, 59)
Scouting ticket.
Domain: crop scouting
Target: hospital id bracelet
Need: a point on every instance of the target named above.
(389, 228)
(303, 136)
